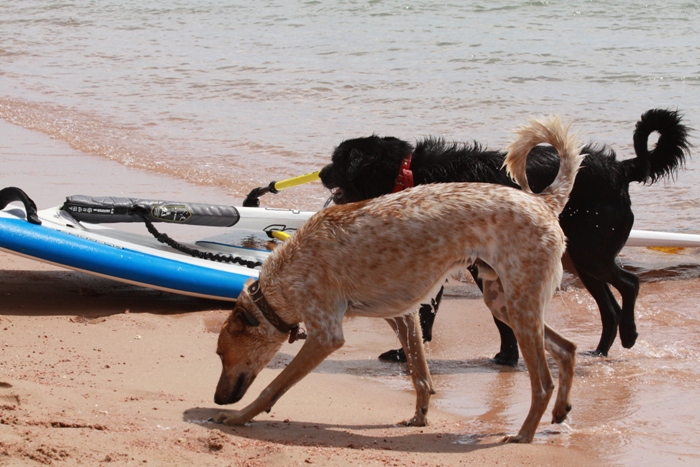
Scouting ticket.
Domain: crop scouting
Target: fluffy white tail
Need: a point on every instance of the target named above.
(549, 130)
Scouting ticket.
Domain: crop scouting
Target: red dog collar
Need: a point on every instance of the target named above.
(405, 178)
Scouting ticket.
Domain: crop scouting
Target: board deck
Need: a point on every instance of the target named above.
(652, 238)
(135, 258)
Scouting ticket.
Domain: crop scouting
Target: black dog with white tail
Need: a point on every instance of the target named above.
(597, 219)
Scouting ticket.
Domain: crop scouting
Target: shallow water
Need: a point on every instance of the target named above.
(636, 407)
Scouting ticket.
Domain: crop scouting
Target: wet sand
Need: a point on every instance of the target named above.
(94, 371)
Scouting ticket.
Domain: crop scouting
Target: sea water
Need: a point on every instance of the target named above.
(236, 94)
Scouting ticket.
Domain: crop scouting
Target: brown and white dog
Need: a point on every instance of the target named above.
(360, 259)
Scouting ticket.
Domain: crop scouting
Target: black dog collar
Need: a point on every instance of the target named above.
(259, 299)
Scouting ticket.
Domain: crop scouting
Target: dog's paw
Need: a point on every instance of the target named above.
(506, 359)
(232, 418)
(515, 439)
(397, 355)
(595, 353)
(558, 415)
(415, 421)
(628, 338)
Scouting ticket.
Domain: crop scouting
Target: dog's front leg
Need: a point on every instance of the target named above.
(311, 354)
(408, 331)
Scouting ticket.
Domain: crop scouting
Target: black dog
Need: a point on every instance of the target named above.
(597, 219)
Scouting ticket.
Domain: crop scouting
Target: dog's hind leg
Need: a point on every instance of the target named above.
(508, 354)
(563, 351)
(609, 310)
(628, 285)
(494, 298)
(529, 331)
(408, 331)
(596, 276)
(427, 313)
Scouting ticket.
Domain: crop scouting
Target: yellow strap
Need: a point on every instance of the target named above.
(301, 179)
(279, 235)
(672, 250)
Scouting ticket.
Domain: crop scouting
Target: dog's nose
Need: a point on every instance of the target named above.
(227, 393)
(326, 176)
(220, 400)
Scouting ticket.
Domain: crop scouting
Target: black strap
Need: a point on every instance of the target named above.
(164, 238)
(10, 194)
(252, 201)
(269, 313)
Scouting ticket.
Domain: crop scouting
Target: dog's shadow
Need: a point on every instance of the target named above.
(369, 368)
(375, 368)
(300, 433)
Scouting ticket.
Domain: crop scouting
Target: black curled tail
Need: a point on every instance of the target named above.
(671, 151)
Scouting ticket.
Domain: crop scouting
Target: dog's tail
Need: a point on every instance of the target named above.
(549, 130)
(670, 152)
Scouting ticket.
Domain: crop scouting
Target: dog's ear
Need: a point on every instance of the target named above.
(245, 317)
(358, 163)
(239, 319)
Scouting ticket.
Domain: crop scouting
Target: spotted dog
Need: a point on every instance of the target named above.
(343, 262)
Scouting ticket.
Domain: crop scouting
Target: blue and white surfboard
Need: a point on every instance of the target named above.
(139, 258)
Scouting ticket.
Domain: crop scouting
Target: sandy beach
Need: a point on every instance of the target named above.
(93, 371)
(97, 372)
